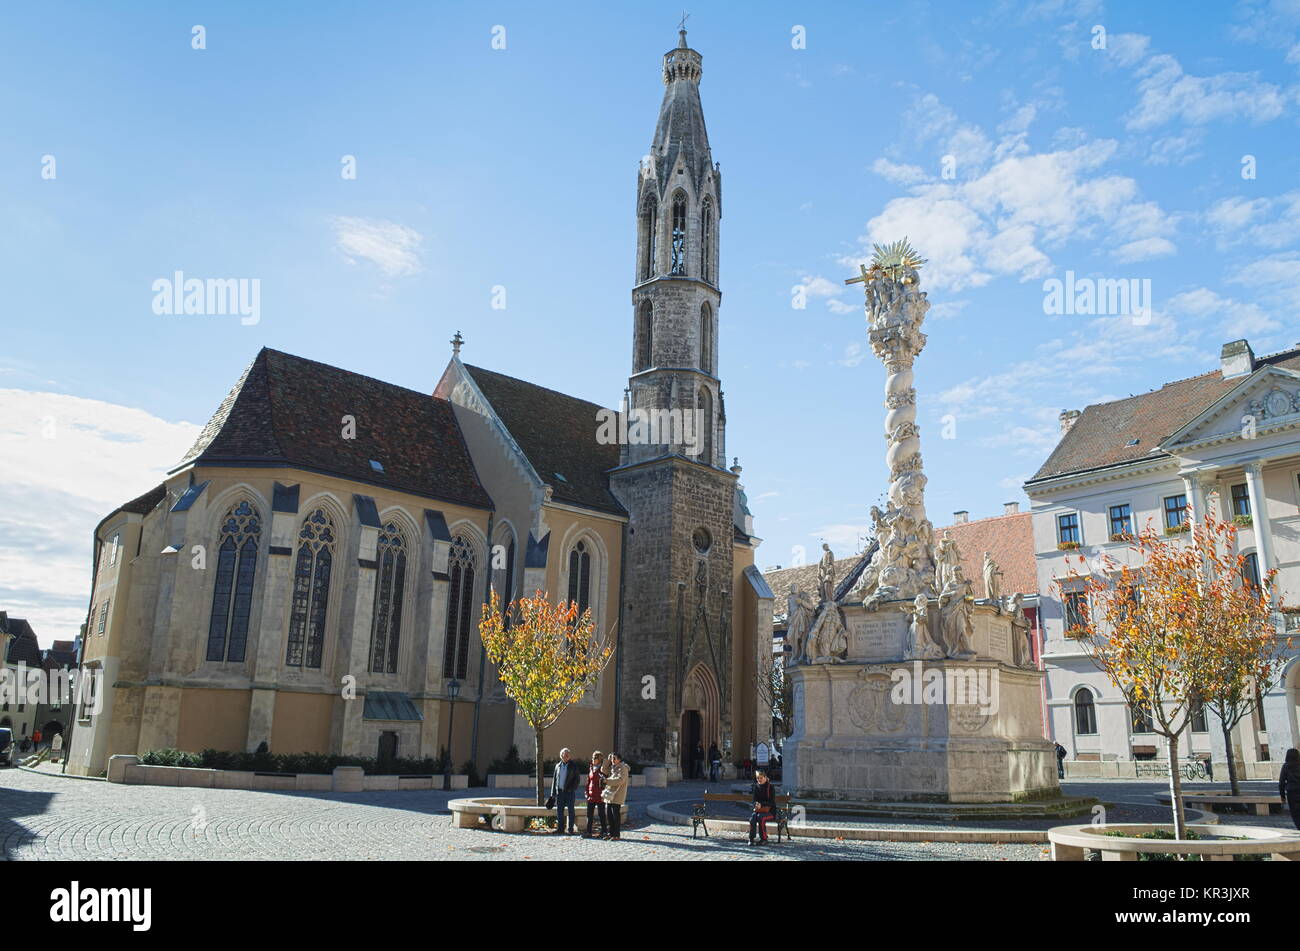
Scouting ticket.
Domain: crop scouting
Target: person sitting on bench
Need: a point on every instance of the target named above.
(764, 797)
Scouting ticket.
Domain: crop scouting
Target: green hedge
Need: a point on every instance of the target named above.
(264, 761)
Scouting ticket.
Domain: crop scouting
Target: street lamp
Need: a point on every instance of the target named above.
(453, 691)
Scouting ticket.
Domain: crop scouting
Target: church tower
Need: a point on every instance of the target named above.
(679, 495)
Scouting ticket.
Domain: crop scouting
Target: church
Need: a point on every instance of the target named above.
(311, 574)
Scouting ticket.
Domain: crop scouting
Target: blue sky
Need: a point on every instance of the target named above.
(479, 167)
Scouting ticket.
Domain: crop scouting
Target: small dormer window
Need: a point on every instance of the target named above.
(376, 465)
(1132, 442)
(560, 477)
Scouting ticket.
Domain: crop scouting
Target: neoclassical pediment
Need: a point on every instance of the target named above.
(1267, 400)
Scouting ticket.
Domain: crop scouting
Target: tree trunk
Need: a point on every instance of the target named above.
(1176, 791)
(1227, 751)
(541, 771)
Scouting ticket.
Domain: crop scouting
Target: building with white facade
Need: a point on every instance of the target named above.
(1228, 440)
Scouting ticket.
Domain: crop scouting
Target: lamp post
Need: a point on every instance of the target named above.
(453, 691)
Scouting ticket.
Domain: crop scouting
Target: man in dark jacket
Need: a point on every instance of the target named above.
(564, 786)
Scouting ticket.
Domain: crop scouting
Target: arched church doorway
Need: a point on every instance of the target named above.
(54, 726)
(701, 709)
(692, 735)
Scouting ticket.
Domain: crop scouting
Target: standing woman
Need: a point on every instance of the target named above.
(615, 793)
(595, 804)
(1288, 784)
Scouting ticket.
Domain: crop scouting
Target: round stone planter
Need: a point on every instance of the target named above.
(1071, 843)
(506, 814)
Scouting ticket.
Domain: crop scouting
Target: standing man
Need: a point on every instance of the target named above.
(715, 763)
(1060, 761)
(615, 794)
(564, 786)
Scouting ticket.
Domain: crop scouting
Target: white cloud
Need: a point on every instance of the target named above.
(1166, 93)
(65, 463)
(1006, 220)
(898, 174)
(393, 248)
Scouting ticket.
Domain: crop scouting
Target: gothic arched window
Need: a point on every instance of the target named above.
(580, 577)
(390, 586)
(232, 599)
(1085, 713)
(706, 338)
(645, 336)
(706, 239)
(679, 234)
(311, 591)
(704, 420)
(460, 603)
(649, 230)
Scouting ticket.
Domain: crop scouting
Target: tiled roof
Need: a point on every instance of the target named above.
(1102, 435)
(1009, 540)
(24, 647)
(288, 411)
(557, 433)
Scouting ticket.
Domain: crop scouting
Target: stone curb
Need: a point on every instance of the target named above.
(46, 772)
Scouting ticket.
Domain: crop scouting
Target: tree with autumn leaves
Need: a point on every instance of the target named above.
(546, 655)
(1183, 625)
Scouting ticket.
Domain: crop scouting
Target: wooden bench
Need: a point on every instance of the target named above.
(700, 815)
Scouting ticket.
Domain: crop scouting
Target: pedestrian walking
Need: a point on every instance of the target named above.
(1060, 761)
(595, 804)
(615, 794)
(715, 763)
(1288, 784)
(697, 762)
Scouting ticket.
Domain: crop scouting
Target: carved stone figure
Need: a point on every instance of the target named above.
(992, 580)
(800, 607)
(955, 625)
(921, 645)
(826, 574)
(1021, 656)
(828, 641)
(947, 559)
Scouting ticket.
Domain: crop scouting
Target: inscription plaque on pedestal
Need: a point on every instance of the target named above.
(877, 636)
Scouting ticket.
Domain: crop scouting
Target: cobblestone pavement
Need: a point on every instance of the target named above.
(54, 817)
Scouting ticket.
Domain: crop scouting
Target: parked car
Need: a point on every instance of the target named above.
(7, 748)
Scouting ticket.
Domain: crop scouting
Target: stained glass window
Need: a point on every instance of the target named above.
(580, 576)
(460, 601)
(311, 590)
(232, 598)
(390, 585)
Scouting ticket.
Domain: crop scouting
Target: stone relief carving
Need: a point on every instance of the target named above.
(870, 706)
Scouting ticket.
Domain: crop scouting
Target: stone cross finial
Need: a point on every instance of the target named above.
(456, 343)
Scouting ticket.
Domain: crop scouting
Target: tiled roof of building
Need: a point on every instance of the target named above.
(23, 648)
(288, 411)
(1104, 435)
(1009, 540)
(557, 433)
